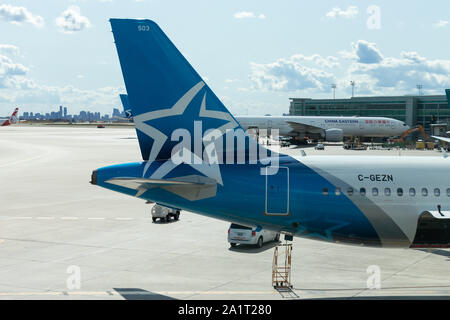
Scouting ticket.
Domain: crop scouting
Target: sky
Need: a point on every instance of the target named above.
(254, 54)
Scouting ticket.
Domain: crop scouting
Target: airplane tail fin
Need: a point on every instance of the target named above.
(126, 105)
(14, 116)
(12, 119)
(164, 91)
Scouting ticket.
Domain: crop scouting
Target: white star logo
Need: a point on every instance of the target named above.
(159, 138)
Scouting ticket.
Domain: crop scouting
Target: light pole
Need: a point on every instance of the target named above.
(420, 87)
(334, 86)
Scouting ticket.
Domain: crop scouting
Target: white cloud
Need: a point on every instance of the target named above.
(405, 72)
(328, 62)
(10, 73)
(351, 12)
(373, 73)
(71, 20)
(363, 52)
(289, 75)
(367, 52)
(248, 15)
(19, 15)
(440, 24)
(9, 49)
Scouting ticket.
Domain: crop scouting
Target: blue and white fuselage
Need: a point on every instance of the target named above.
(224, 174)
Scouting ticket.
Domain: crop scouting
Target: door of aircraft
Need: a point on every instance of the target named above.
(277, 191)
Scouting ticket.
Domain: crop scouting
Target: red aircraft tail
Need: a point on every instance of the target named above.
(12, 119)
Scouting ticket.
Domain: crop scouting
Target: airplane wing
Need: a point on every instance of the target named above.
(442, 139)
(192, 187)
(301, 127)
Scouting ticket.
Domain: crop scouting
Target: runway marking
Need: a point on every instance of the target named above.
(75, 218)
(142, 293)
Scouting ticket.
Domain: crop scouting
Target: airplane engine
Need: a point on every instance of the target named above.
(334, 135)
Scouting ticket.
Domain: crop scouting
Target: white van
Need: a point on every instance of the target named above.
(238, 234)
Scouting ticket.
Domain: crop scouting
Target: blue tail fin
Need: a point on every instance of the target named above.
(126, 105)
(164, 91)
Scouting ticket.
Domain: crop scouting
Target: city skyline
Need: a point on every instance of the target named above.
(63, 115)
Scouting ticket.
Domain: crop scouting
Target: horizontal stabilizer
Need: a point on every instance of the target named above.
(440, 214)
(189, 187)
(442, 139)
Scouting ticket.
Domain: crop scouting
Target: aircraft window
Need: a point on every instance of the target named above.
(400, 192)
(424, 192)
(337, 191)
(448, 192)
(412, 192)
(375, 192)
(325, 191)
(437, 192)
(387, 192)
(350, 191)
(362, 191)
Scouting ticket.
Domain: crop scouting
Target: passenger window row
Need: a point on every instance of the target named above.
(387, 192)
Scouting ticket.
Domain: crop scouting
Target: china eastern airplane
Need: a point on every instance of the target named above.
(332, 129)
(11, 120)
(194, 159)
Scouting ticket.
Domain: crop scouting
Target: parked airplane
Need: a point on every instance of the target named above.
(376, 201)
(332, 129)
(11, 120)
(126, 105)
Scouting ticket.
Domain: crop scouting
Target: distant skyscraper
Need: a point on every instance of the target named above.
(65, 112)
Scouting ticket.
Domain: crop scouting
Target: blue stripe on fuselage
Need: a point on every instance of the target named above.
(241, 199)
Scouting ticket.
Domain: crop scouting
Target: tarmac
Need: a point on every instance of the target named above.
(63, 238)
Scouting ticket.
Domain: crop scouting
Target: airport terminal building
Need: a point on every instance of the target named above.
(413, 110)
